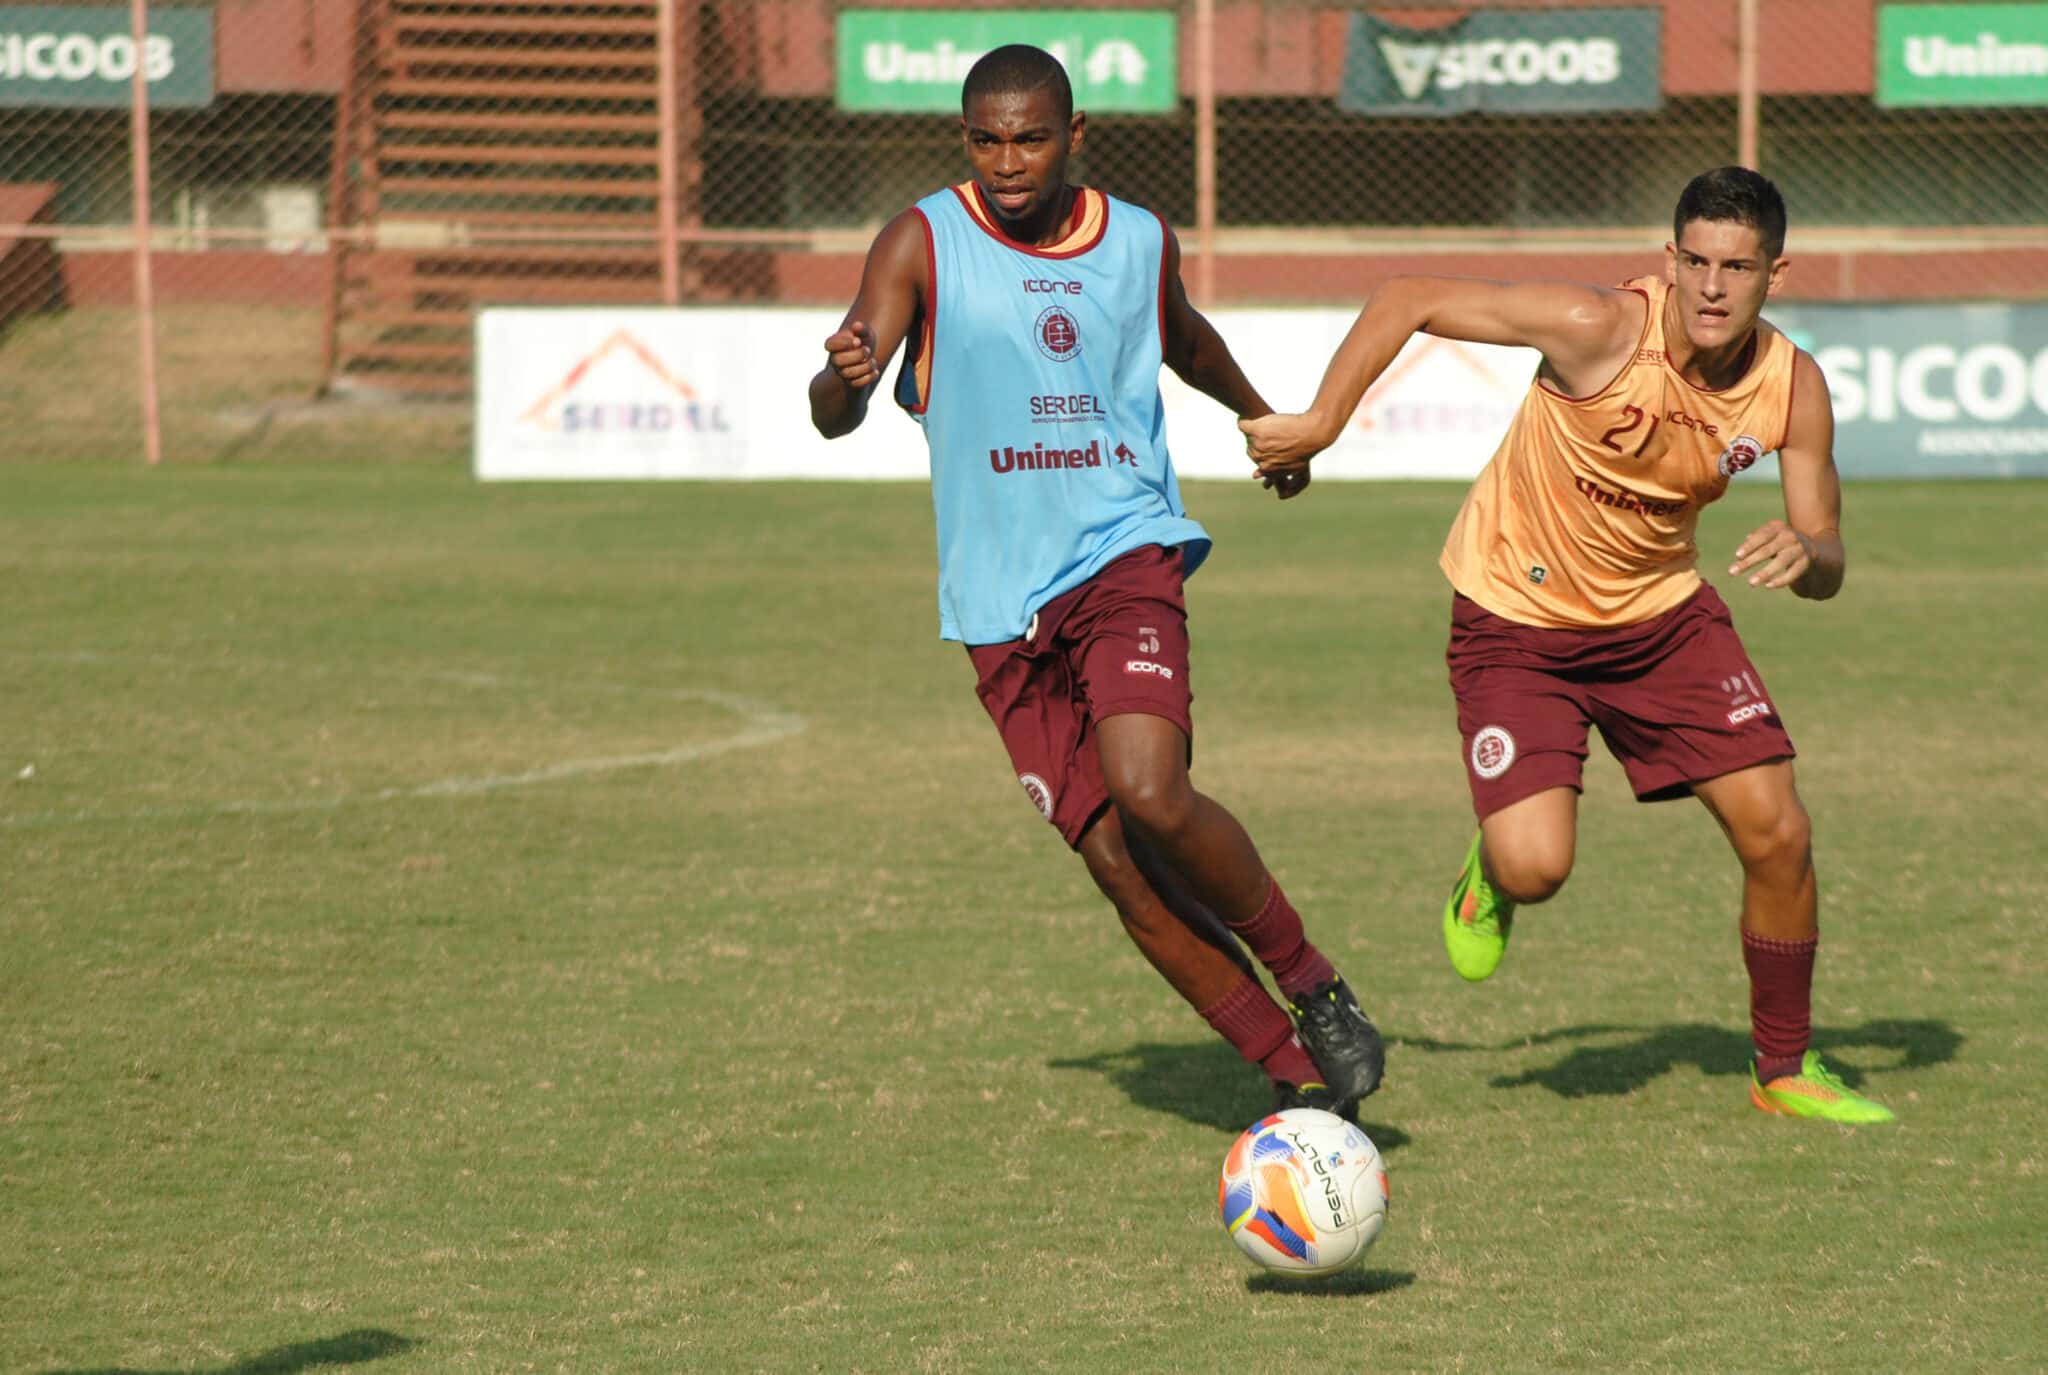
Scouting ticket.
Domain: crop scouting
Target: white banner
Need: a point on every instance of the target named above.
(719, 392)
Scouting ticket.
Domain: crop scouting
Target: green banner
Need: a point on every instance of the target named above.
(76, 56)
(1507, 62)
(1931, 390)
(915, 60)
(1962, 55)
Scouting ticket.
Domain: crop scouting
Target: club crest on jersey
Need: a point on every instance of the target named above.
(1040, 795)
(1493, 752)
(1742, 451)
(1057, 334)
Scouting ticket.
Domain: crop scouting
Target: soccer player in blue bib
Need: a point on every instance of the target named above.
(1037, 316)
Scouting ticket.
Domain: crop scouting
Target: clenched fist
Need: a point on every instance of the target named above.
(852, 354)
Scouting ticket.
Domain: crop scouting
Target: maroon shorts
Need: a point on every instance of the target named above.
(1676, 698)
(1116, 644)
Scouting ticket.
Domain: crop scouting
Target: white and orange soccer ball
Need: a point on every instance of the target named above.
(1304, 1192)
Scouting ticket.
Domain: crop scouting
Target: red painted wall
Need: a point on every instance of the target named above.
(282, 45)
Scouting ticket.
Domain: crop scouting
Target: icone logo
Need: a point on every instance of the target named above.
(1691, 422)
(1051, 285)
(1934, 382)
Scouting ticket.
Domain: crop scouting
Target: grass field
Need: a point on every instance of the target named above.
(585, 929)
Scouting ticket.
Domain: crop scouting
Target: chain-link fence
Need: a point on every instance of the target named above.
(335, 186)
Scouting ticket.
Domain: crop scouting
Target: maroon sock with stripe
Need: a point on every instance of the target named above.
(1780, 1001)
(1262, 1034)
(1276, 939)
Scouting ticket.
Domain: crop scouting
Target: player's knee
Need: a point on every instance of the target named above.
(1530, 873)
(1779, 843)
(1158, 804)
(1109, 860)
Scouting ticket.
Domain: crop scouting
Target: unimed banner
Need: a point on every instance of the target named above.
(1510, 62)
(1931, 55)
(1931, 390)
(72, 55)
(916, 59)
(719, 392)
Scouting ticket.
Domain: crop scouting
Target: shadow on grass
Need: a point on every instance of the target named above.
(350, 1348)
(1343, 1284)
(1203, 1082)
(1627, 1065)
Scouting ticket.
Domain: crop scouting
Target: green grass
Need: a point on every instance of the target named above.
(236, 385)
(364, 1001)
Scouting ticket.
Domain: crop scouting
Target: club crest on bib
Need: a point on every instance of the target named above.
(1038, 792)
(1493, 751)
(1742, 451)
(1057, 334)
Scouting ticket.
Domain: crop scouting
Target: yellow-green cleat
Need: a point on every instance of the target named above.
(1815, 1091)
(1477, 921)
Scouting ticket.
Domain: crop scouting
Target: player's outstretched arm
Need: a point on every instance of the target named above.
(1804, 550)
(1586, 335)
(1199, 357)
(1196, 352)
(858, 352)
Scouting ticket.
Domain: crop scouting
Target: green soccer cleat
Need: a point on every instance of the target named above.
(1477, 921)
(1814, 1092)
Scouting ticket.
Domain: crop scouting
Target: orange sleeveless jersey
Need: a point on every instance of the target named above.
(1585, 516)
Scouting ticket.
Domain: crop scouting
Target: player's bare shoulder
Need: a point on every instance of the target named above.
(1598, 332)
(899, 249)
(1810, 419)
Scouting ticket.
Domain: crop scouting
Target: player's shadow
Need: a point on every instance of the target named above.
(1204, 1082)
(349, 1348)
(1621, 1067)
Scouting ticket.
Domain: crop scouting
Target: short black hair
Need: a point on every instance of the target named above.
(1738, 194)
(1017, 69)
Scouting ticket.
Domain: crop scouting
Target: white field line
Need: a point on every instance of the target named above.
(762, 724)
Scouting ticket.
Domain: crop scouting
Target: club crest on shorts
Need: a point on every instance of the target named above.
(1040, 795)
(1493, 751)
(1742, 451)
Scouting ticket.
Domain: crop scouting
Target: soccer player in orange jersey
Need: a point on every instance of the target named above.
(1577, 598)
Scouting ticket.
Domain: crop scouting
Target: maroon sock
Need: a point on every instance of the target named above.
(1780, 1001)
(1277, 940)
(1262, 1033)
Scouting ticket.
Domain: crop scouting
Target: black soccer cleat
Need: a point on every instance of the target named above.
(1341, 1039)
(1286, 1095)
